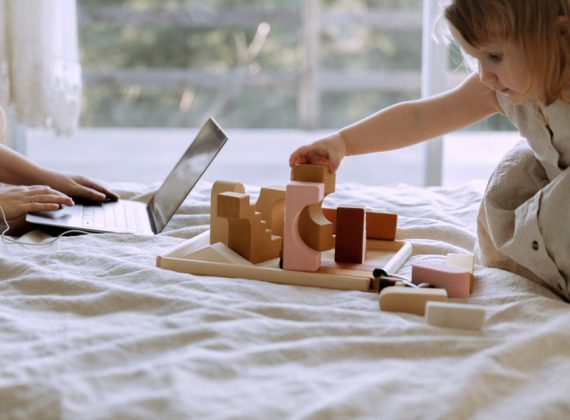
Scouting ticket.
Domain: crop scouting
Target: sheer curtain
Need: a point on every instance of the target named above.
(40, 74)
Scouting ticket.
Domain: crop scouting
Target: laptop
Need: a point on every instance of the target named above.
(128, 216)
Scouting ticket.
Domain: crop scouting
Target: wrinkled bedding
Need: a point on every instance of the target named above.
(91, 328)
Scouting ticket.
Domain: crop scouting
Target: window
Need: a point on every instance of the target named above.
(154, 70)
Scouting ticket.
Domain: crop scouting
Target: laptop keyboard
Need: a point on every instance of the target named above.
(121, 216)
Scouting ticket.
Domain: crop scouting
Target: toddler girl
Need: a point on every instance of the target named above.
(522, 49)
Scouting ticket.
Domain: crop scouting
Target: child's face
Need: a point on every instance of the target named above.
(502, 68)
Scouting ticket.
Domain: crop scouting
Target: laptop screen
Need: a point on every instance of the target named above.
(186, 173)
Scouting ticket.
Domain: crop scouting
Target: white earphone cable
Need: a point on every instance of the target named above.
(7, 239)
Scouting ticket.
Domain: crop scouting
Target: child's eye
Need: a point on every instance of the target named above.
(495, 57)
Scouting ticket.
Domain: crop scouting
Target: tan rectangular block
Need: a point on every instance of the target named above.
(381, 225)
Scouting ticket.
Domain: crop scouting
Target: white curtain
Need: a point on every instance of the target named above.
(40, 74)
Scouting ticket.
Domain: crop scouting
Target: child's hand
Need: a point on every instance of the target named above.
(329, 150)
(18, 200)
(80, 186)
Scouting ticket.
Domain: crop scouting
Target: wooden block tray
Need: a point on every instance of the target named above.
(389, 255)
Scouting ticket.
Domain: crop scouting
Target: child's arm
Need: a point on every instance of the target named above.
(404, 124)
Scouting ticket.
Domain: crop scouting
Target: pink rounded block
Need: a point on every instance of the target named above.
(453, 279)
(297, 255)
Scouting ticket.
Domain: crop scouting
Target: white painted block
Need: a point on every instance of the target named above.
(455, 315)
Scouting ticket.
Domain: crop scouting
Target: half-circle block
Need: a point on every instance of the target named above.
(297, 255)
(350, 239)
(248, 234)
(315, 173)
(453, 279)
(315, 229)
(271, 205)
(330, 214)
(219, 225)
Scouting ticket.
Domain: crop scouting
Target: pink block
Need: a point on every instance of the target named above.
(296, 254)
(453, 279)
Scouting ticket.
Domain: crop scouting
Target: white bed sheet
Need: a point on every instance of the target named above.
(90, 328)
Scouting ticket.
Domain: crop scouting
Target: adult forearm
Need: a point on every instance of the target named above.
(18, 170)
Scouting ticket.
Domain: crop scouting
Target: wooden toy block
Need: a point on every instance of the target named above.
(453, 279)
(381, 225)
(455, 315)
(219, 225)
(248, 234)
(408, 299)
(367, 268)
(350, 239)
(315, 173)
(315, 229)
(232, 205)
(330, 214)
(219, 253)
(271, 205)
(465, 261)
(297, 255)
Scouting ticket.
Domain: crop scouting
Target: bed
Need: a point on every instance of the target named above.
(91, 328)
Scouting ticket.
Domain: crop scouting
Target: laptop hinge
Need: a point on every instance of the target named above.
(151, 219)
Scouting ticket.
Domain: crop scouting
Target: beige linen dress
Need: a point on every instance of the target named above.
(524, 220)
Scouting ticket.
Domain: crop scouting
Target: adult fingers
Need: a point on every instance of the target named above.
(35, 207)
(100, 188)
(92, 190)
(44, 194)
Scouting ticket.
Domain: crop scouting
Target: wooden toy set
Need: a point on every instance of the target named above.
(288, 237)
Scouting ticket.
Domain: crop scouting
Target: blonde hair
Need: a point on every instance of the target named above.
(539, 27)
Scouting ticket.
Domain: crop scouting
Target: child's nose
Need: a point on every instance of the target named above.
(486, 75)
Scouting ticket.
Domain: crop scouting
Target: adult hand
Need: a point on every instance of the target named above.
(16, 201)
(80, 186)
(327, 151)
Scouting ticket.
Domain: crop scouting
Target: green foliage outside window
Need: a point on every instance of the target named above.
(128, 43)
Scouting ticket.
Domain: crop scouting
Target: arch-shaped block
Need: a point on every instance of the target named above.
(297, 255)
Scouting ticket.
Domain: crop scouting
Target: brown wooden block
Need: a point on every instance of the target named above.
(350, 240)
(315, 229)
(381, 225)
(248, 234)
(315, 173)
(271, 205)
(219, 225)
